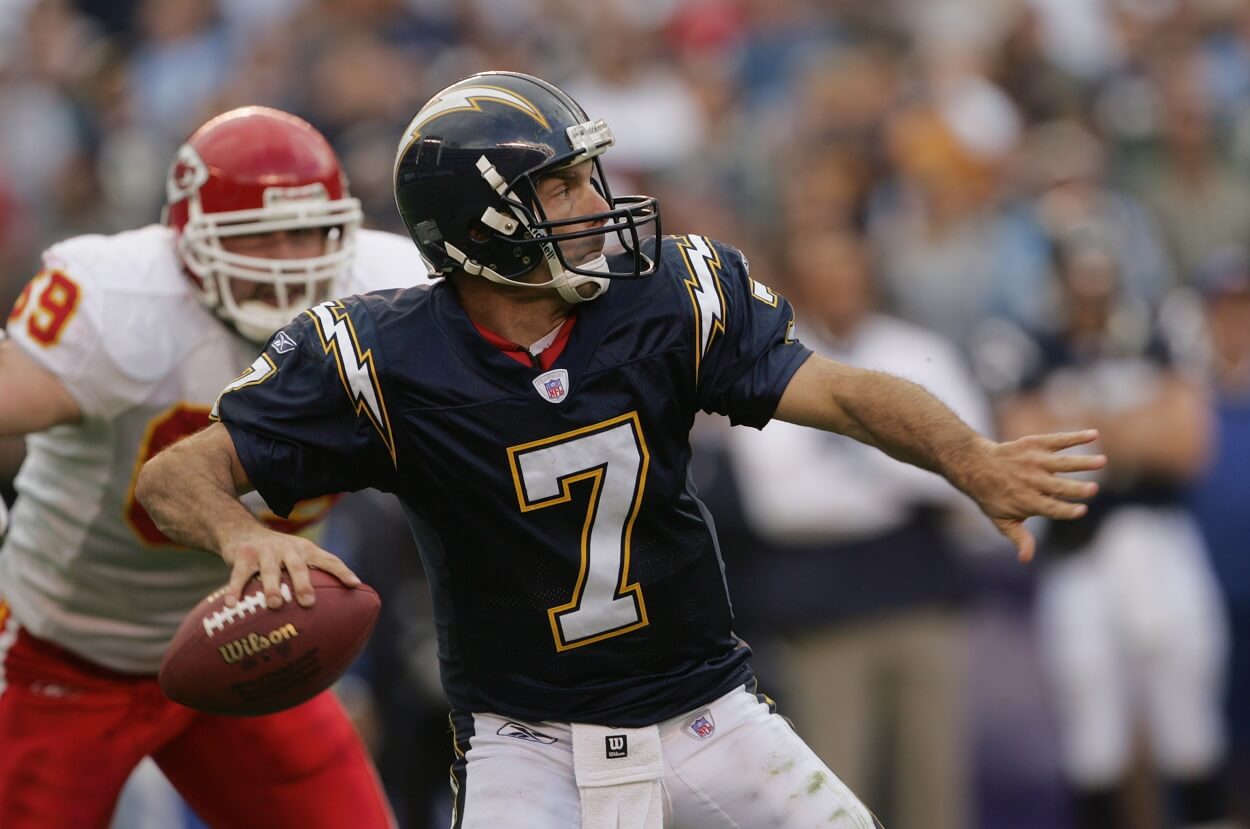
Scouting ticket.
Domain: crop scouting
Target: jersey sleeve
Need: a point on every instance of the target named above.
(309, 417)
(384, 260)
(746, 351)
(59, 322)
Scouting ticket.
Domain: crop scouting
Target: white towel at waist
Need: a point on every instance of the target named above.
(619, 773)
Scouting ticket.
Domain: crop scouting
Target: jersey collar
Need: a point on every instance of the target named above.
(545, 358)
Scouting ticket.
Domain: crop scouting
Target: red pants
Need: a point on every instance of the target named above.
(71, 733)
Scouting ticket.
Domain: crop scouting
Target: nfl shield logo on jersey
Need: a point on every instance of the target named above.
(702, 725)
(552, 386)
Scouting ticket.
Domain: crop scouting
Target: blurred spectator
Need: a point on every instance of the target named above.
(1220, 498)
(831, 157)
(636, 91)
(1041, 88)
(722, 182)
(862, 575)
(950, 256)
(1226, 50)
(1129, 618)
(1064, 165)
(184, 53)
(39, 129)
(1202, 199)
(1078, 35)
(780, 37)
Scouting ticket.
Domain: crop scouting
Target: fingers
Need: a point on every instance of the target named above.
(271, 581)
(301, 581)
(1074, 463)
(334, 565)
(1067, 487)
(1059, 510)
(240, 574)
(1019, 536)
(268, 555)
(1064, 440)
(1030, 482)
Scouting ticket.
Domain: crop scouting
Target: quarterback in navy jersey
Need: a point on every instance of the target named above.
(575, 574)
(535, 425)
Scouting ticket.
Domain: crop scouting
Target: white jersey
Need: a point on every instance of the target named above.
(115, 319)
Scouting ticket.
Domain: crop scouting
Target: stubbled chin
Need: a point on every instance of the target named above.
(596, 262)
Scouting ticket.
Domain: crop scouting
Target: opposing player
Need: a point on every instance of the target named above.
(119, 347)
(532, 412)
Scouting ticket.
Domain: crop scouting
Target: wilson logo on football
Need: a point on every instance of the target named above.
(250, 603)
(255, 643)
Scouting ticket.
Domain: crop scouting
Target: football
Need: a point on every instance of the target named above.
(249, 660)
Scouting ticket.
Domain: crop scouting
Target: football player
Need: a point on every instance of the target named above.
(1132, 630)
(117, 348)
(532, 411)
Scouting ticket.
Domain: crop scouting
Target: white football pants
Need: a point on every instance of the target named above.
(733, 764)
(1132, 629)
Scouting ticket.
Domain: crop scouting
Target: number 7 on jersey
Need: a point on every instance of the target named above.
(613, 457)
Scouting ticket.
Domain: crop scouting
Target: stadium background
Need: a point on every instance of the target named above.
(946, 136)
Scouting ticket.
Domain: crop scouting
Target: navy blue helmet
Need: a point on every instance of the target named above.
(465, 176)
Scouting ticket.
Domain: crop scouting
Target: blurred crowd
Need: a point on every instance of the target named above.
(1040, 209)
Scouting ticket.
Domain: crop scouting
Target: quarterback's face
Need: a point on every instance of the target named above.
(569, 192)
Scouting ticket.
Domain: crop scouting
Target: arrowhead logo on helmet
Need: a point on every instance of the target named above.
(186, 176)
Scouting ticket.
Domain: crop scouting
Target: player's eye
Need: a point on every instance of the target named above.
(554, 188)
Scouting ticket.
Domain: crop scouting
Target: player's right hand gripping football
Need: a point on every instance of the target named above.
(267, 552)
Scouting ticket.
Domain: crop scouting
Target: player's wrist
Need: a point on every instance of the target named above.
(964, 461)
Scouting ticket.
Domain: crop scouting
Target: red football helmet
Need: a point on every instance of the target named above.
(250, 171)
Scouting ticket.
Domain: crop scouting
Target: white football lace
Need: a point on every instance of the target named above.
(246, 606)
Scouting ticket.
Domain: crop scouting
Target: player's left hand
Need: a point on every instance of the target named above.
(1021, 478)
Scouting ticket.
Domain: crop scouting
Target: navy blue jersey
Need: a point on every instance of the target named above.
(1116, 373)
(575, 575)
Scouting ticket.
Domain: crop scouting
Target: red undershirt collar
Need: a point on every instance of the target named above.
(545, 358)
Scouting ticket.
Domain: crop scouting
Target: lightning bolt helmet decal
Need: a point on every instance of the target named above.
(460, 99)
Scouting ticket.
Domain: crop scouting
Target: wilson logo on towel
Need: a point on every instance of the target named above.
(617, 746)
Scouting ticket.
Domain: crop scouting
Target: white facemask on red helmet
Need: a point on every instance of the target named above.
(251, 171)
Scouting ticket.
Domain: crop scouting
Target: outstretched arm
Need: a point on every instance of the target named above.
(1010, 481)
(191, 491)
(33, 398)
